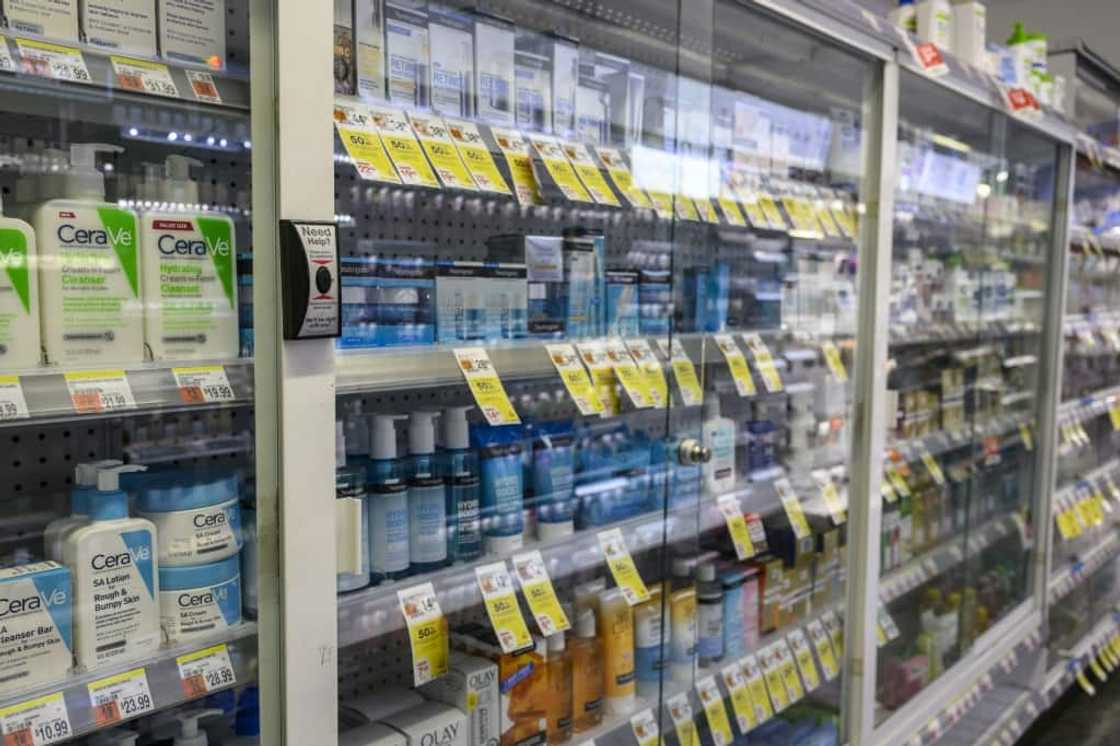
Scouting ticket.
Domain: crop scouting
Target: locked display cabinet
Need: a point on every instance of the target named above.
(127, 554)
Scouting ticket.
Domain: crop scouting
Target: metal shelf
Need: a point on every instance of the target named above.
(1065, 580)
(1090, 405)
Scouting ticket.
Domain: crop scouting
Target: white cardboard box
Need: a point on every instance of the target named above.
(193, 31)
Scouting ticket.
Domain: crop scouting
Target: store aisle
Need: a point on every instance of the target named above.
(1079, 719)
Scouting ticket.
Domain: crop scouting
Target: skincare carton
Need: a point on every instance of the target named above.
(193, 31)
(430, 724)
(37, 642)
(369, 48)
(406, 50)
(471, 685)
(494, 70)
(53, 19)
(127, 26)
(452, 62)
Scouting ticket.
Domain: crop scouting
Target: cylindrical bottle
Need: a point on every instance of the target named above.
(587, 674)
(388, 504)
(682, 615)
(734, 629)
(617, 634)
(427, 497)
(709, 615)
(553, 479)
(350, 483)
(464, 522)
(559, 690)
(649, 644)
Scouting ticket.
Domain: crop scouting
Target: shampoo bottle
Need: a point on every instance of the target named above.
(116, 578)
(85, 486)
(553, 479)
(388, 503)
(460, 469)
(20, 345)
(190, 273)
(719, 436)
(427, 496)
(350, 483)
(89, 279)
(559, 666)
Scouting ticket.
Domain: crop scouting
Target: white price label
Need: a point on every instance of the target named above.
(36, 722)
(204, 671)
(99, 391)
(53, 61)
(144, 77)
(120, 697)
(202, 83)
(644, 725)
(7, 64)
(12, 404)
(203, 384)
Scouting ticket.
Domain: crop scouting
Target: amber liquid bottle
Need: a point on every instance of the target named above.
(560, 694)
(587, 674)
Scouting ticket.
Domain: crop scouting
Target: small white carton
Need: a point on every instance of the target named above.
(127, 26)
(193, 31)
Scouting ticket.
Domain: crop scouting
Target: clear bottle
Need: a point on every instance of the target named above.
(387, 494)
(587, 673)
(427, 496)
(350, 483)
(560, 695)
(460, 470)
(719, 437)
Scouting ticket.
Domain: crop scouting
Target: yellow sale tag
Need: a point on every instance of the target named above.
(789, 672)
(764, 362)
(489, 393)
(792, 507)
(632, 380)
(427, 632)
(933, 467)
(835, 632)
(731, 212)
(804, 657)
(760, 700)
(801, 213)
(622, 567)
(403, 149)
(824, 217)
(772, 673)
(897, 480)
(819, 636)
(680, 712)
(753, 209)
(1025, 434)
(845, 220)
(476, 156)
(736, 526)
(1114, 416)
(887, 491)
(1083, 682)
(692, 394)
(589, 174)
(773, 215)
(712, 701)
(662, 204)
(622, 178)
(644, 725)
(651, 369)
(831, 497)
(707, 212)
(834, 362)
(441, 151)
(520, 162)
(1063, 519)
(685, 209)
(537, 588)
(575, 378)
(362, 143)
(741, 705)
(594, 356)
(502, 607)
(558, 167)
(737, 364)
(880, 635)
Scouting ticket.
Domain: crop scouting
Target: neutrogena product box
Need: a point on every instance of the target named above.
(36, 636)
(480, 300)
(451, 34)
(344, 47)
(386, 302)
(494, 70)
(471, 685)
(407, 51)
(533, 92)
(193, 31)
(53, 19)
(369, 48)
(127, 26)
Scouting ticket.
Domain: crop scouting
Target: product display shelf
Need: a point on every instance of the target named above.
(230, 659)
(943, 441)
(1065, 579)
(1097, 152)
(53, 394)
(1077, 324)
(961, 332)
(96, 78)
(1090, 405)
(1069, 490)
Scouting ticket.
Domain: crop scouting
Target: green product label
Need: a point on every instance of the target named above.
(121, 227)
(13, 255)
(218, 235)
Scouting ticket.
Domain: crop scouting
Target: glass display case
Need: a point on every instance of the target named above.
(128, 557)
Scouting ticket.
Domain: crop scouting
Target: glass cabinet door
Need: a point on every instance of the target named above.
(128, 557)
(974, 222)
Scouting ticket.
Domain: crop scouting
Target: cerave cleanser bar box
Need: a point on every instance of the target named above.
(193, 31)
(122, 25)
(53, 19)
(36, 637)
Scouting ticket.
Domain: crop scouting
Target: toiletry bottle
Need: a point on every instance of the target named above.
(190, 273)
(905, 16)
(682, 616)
(189, 732)
(427, 496)
(116, 578)
(649, 644)
(1022, 55)
(709, 615)
(560, 698)
(503, 491)
(85, 486)
(719, 437)
(20, 345)
(617, 634)
(387, 494)
(587, 673)
(350, 483)
(553, 479)
(87, 242)
(935, 23)
(460, 469)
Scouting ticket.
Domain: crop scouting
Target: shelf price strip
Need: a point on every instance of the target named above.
(737, 364)
(502, 607)
(203, 384)
(486, 387)
(692, 394)
(680, 712)
(144, 76)
(116, 698)
(99, 391)
(36, 722)
(644, 725)
(206, 670)
(712, 702)
(13, 405)
(537, 588)
(427, 632)
(574, 376)
(622, 567)
(741, 704)
(53, 61)
(204, 87)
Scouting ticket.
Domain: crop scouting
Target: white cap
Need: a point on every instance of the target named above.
(711, 406)
(151, 188)
(456, 433)
(83, 180)
(383, 440)
(189, 733)
(177, 186)
(504, 544)
(85, 475)
(422, 432)
(339, 443)
(547, 531)
(556, 643)
(585, 624)
(706, 573)
(109, 477)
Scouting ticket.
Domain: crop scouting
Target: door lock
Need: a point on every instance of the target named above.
(692, 452)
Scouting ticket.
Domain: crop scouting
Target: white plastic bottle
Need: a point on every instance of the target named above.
(935, 23)
(190, 273)
(20, 346)
(189, 732)
(85, 486)
(719, 437)
(427, 496)
(89, 267)
(905, 16)
(116, 578)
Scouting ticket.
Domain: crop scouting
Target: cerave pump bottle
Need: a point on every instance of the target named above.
(190, 272)
(20, 345)
(114, 564)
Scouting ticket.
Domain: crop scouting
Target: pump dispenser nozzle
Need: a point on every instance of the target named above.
(85, 475)
(383, 443)
(422, 432)
(120, 737)
(456, 432)
(177, 186)
(83, 180)
(189, 733)
(109, 477)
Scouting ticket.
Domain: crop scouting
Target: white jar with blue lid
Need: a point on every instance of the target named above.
(199, 600)
(197, 516)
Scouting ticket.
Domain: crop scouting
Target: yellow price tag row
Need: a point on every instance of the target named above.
(502, 607)
(732, 513)
(537, 588)
(487, 388)
(575, 378)
(712, 702)
(764, 361)
(804, 657)
(737, 364)
(622, 567)
(427, 632)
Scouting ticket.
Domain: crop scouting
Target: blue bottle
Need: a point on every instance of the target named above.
(427, 496)
(387, 494)
(503, 489)
(460, 472)
(553, 476)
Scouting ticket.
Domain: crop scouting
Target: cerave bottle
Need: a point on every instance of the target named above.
(20, 346)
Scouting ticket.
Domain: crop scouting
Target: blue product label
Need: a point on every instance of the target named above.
(502, 489)
(388, 528)
(554, 480)
(54, 594)
(464, 514)
(228, 597)
(734, 632)
(709, 618)
(139, 545)
(427, 515)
